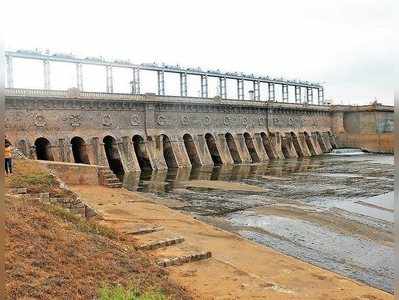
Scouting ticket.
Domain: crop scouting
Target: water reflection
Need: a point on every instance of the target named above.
(167, 180)
(332, 188)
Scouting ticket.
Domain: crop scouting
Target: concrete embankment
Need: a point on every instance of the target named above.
(368, 127)
(238, 268)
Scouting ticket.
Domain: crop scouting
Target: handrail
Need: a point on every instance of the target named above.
(76, 94)
(70, 94)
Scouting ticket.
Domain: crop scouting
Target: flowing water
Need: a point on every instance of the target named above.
(334, 211)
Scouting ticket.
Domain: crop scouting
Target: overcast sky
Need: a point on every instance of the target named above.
(351, 46)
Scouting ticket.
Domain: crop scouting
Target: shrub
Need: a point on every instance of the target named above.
(118, 292)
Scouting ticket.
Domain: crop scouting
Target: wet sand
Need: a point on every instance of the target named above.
(238, 269)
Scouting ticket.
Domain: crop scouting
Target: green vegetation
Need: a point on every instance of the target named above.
(118, 292)
(81, 224)
(36, 178)
(38, 181)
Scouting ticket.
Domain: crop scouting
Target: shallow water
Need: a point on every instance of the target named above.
(334, 211)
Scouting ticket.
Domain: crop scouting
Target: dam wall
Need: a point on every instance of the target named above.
(149, 132)
(369, 128)
(136, 132)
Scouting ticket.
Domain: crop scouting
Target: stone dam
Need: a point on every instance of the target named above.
(150, 132)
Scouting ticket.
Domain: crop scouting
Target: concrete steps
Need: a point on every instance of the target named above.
(139, 230)
(109, 179)
(170, 250)
(183, 259)
(161, 243)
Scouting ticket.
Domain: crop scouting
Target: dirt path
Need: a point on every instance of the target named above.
(238, 269)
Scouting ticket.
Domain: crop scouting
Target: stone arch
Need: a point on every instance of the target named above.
(309, 143)
(231, 144)
(113, 156)
(23, 147)
(251, 148)
(79, 151)
(43, 149)
(168, 153)
(191, 150)
(141, 153)
(285, 147)
(213, 150)
(297, 145)
(267, 144)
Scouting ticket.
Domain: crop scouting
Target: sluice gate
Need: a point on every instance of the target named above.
(153, 132)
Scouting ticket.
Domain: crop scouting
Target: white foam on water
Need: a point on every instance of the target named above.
(347, 151)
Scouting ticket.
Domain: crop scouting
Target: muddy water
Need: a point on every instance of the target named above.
(334, 211)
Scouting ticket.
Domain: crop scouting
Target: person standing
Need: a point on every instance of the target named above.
(8, 157)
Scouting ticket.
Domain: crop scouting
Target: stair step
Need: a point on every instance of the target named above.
(180, 260)
(18, 190)
(114, 185)
(142, 230)
(109, 175)
(109, 179)
(161, 243)
(112, 180)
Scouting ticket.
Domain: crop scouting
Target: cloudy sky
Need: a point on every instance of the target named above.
(349, 45)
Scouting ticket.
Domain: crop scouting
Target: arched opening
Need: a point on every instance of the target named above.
(251, 148)
(168, 153)
(79, 151)
(113, 157)
(23, 147)
(321, 142)
(141, 153)
(233, 148)
(213, 150)
(309, 144)
(267, 144)
(191, 150)
(43, 149)
(297, 146)
(285, 146)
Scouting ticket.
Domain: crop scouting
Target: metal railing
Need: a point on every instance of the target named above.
(18, 92)
(76, 94)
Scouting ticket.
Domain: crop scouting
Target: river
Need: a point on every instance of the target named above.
(333, 211)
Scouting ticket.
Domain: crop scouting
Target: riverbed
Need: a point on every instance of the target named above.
(334, 211)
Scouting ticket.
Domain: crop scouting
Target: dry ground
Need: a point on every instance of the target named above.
(51, 254)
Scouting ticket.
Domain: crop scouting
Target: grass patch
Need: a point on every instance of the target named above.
(36, 182)
(118, 292)
(36, 178)
(80, 223)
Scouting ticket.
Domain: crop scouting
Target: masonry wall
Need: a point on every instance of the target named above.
(74, 174)
(129, 135)
(370, 129)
